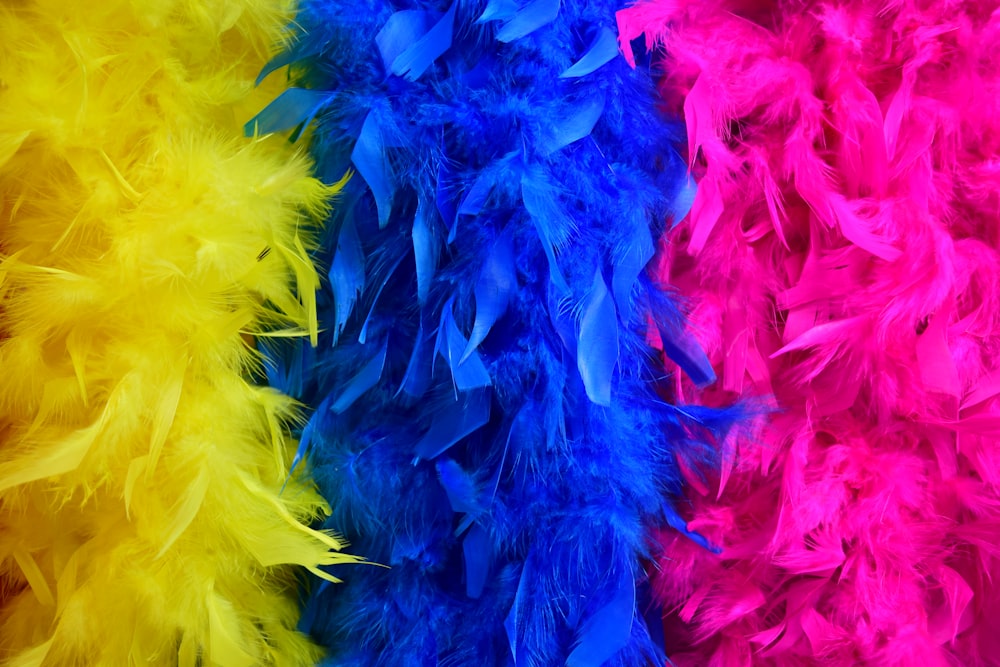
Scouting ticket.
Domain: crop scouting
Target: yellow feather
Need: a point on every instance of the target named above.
(187, 654)
(66, 582)
(49, 460)
(136, 468)
(33, 657)
(164, 416)
(34, 576)
(147, 512)
(78, 348)
(10, 143)
(184, 512)
(225, 648)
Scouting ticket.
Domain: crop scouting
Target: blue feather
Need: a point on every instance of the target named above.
(494, 288)
(476, 550)
(498, 10)
(286, 369)
(418, 371)
(477, 195)
(443, 198)
(401, 31)
(629, 265)
(553, 225)
(598, 352)
(425, 250)
(370, 160)
(608, 630)
(675, 521)
(686, 352)
(679, 344)
(516, 617)
(559, 307)
(467, 369)
(603, 49)
(528, 19)
(294, 107)
(457, 420)
(459, 485)
(306, 438)
(415, 60)
(346, 275)
(683, 201)
(279, 61)
(367, 377)
(380, 286)
(572, 124)
(653, 616)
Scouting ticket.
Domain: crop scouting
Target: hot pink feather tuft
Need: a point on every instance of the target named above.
(842, 259)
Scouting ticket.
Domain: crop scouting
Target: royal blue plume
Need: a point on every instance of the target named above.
(490, 418)
(459, 485)
(597, 355)
(346, 275)
(386, 273)
(367, 377)
(678, 343)
(417, 56)
(630, 260)
(425, 250)
(608, 629)
(369, 157)
(494, 289)
(476, 548)
(572, 123)
(306, 437)
(683, 201)
(453, 422)
(467, 368)
(476, 197)
(684, 350)
(295, 107)
(402, 31)
(515, 621)
(498, 10)
(417, 376)
(528, 19)
(603, 49)
(553, 225)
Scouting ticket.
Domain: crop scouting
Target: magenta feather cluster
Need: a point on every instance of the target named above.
(842, 260)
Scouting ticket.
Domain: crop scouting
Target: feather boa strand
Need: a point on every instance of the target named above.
(143, 517)
(843, 253)
(490, 421)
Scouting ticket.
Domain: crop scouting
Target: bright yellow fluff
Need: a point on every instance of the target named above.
(142, 238)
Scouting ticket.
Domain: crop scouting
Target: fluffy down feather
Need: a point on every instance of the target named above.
(489, 416)
(843, 253)
(142, 238)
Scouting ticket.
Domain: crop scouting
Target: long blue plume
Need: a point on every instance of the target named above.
(490, 421)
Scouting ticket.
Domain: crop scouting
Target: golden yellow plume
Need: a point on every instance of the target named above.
(144, 512)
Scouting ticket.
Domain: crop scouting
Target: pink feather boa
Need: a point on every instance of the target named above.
(842, 259)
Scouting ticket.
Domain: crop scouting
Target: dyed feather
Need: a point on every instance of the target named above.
(512, 178)
(146, 513)
(842, 257)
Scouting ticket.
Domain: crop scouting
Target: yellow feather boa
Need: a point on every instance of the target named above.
(143, 518)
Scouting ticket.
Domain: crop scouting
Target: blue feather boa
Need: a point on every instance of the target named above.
(490, 421)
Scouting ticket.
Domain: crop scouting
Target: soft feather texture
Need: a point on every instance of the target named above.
(146, 515)
(489, 417)
(842, 253)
